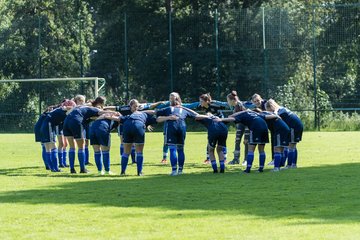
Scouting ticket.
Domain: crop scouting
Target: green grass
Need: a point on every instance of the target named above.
(319, 200)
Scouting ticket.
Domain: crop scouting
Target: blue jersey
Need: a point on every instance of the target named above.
(252, 120)
(192, 106)
(182, 113)
(105, 125)
(274, 124)
(216, 107)
(213, 126)
(83, 113)
(138, 118)
(56, 117)
(291, 119)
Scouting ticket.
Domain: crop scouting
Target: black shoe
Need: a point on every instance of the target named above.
(61, 166)
(84, 170)
(65, 165)
(215, 171)
(47, 168)
(140, 174)
(72, 170)
(246, 171)
(122, 174)
(233, 162)
(222, 170)
(260, 170)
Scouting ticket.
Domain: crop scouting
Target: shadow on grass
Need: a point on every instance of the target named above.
(326, 194)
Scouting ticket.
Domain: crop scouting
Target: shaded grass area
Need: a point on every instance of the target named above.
(327, 193)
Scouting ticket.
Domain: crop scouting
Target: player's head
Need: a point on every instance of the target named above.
(175, 99)
(205, 99)
(80, 99)
(239, 107)
(99, 102)
(271, 105)
(232, 98)
(134, 105)
(68, 103)
(256, 99)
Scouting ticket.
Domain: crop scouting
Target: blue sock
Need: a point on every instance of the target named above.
(173, 157)
(72, 158)
(262, 158)
(48, 160)
(224, 150)
(60, 157)
(165, 151)
(222, 165)
(181, 157)
(54, 159)
(286, 152)
(81, 158)
(283, 160)
(64, 157)
(86, 151)
(97, 157)
(291, 156)
(124, 162)
(277, 159)
(106, 160)
(133, 155)
(250, 159)
(121, 149)
(295, 157)
(43, 155)
(139, 162)
(214, 165)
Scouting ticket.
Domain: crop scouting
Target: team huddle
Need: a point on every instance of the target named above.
(76, 122)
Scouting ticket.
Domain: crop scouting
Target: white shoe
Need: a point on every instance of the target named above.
(244, 163)
(173, 173)
(101, 173)
(109, 173)
(271, 163)
(276, 169)
(180, 172)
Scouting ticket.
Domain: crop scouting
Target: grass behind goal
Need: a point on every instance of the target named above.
(317, 201)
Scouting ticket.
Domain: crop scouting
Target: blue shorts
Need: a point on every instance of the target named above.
(73, 128)
(37, 131)
(281, 139)
(175, 136)
(134, 134)
(98, 137)
(259, 136)
(295, 135)
(47, 133)
(59, 130)
(217, 138)
(120, 130)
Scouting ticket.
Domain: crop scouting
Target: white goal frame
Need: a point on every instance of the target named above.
(95, 79)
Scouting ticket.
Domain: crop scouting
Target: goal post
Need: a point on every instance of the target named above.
(96, 80)
(22, 100)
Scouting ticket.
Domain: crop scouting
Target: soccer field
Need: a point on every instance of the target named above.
(319, 200)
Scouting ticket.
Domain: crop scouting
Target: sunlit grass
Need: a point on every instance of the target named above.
(319, 200)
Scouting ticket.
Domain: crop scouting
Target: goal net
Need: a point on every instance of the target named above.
(23, 100)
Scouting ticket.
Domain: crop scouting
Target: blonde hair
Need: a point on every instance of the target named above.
(256, 96)
(79, 99)
(133, 102)
(177, 99)
(271, 105)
